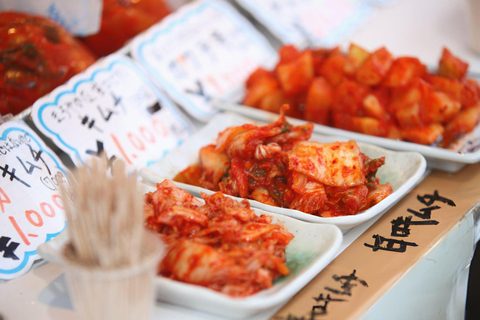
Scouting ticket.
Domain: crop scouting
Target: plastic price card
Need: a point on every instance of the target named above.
(309, 22)
(111, 108)
(31, 207)
(206, 49)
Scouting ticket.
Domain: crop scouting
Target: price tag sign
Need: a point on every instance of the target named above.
(205, 50)
(309, 22)
(111, 108)
(31, 208)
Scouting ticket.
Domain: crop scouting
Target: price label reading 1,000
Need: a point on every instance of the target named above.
(33, 217)
(31, 208)
(144, 142)
(111, 108)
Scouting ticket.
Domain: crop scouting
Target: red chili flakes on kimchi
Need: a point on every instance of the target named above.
(222, 244)
(276, 165)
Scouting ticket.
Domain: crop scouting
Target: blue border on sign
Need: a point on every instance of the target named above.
(29, 254)
(151, 162)
(286, 34)
(49, 236)
(360, 15)
(6, 132)
(117, 60)
(179, 96)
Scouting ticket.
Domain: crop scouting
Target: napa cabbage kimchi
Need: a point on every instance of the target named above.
(276, 164)
(220, 244)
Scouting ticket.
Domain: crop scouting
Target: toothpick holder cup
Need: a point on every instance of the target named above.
(125, 293)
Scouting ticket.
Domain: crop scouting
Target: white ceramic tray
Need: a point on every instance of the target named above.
(402, 169)
(312, 249)
(466, 150)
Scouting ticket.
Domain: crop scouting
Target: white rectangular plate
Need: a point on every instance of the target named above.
(465, 151)
(312, 249)
(402, 169)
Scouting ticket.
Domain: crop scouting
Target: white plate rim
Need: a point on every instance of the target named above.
(343, 222)
(257, 301)
(52, 252)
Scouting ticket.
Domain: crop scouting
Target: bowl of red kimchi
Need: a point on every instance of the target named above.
(289, 170)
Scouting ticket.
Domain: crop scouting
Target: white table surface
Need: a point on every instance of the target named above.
(418, 28)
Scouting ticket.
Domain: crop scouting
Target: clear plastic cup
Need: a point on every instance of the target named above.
(120, 294)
